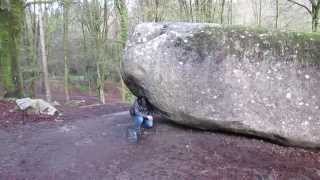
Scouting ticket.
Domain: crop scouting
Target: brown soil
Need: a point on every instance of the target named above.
(97, 148)
(10, 115)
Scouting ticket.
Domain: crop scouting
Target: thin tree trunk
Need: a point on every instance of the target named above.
(84, 38)
(33, 52)
(105, 19)
(197, 10)
(222, 11)
(66, 48)
(100, 78)
(157, 18)
(185, 10)
(230, 13)
(277, 14)
(191, 10)
(89, 86)
(44, 58)
(100, 83)
(46, 30)
(85, 52)
(123, 12)
(260, 13)
(213, 13)
(315, 17)
(314, 24)
(181, 14)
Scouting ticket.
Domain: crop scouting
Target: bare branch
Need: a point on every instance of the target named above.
(301, 5)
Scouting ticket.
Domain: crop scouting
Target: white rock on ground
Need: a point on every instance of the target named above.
(38, 106)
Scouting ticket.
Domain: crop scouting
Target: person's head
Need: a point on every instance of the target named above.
(142, 101)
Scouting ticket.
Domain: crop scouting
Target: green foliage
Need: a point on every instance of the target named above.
(83, 88)
(123, 12)
(5, 56)
(129, 97)
(307, 36)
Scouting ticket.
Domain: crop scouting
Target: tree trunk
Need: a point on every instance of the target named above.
(100, 74)
(260, 13)
(197, 10)
(85, 52)
(230, 13)
(44, 58)
(315, 17)
(100, 83)
(11, 22)
(89, 87)
(33, 50)
(157, 15)
(314, 24)
(314, 12)
(123, 12)
(277, 14)
(191, 10)
(222, 11)
(181, 10)
(66, 48)
(213, 13)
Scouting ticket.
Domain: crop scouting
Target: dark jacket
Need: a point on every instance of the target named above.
(141, 107)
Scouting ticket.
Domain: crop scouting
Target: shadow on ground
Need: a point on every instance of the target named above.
(98, 149)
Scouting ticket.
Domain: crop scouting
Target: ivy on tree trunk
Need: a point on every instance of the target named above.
(11, 23)
(123, 13)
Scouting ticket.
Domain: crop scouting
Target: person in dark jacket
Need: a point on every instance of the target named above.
(142, 115)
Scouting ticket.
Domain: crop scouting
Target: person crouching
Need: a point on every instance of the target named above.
(141, 114)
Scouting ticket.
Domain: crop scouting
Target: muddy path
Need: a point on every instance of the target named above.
(97, 148)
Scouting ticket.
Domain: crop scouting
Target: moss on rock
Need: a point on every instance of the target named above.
(257, 43)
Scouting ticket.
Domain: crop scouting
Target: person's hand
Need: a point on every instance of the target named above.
(150, 117)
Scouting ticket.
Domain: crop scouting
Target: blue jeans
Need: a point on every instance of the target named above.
(141, 121)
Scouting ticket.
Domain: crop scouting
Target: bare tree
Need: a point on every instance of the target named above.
(313, 9)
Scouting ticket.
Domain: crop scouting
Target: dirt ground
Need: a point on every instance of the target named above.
(97, 148)
(89, 142)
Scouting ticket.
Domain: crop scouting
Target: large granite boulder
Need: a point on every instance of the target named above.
(240, 80)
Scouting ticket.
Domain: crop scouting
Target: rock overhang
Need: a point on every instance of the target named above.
(243, 80)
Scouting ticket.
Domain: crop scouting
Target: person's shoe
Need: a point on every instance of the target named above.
(133, 135)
